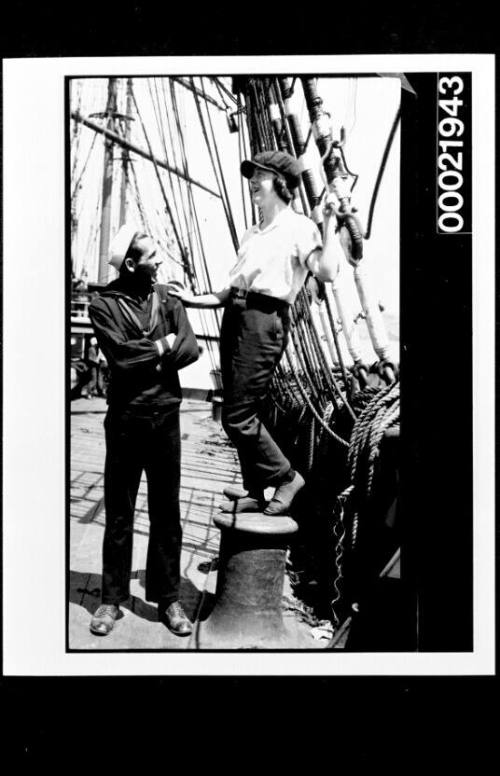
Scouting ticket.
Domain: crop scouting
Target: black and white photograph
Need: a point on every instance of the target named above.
(264, 437)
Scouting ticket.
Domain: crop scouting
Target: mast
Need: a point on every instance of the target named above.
(126, 156)
(75, 142)
(107, 183)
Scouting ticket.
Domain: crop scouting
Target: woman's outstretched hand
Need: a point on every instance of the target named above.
(177, 289)
(210, 300)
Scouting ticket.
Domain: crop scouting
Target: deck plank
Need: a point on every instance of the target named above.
(201, 487)
(209, 463)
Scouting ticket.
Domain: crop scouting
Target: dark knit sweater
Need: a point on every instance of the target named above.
(131, 332)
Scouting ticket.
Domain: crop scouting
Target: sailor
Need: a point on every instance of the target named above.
(146, 338)
(273, 261)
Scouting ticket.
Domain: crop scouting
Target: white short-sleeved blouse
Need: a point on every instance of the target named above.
(273, 261)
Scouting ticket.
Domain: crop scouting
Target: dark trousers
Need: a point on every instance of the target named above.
(253, 336)
(135, 443)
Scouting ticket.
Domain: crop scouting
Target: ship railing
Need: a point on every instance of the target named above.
(80, 305)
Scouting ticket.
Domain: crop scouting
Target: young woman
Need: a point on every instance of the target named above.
(273, 261)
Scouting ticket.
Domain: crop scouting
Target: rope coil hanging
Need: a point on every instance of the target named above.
(380, 414)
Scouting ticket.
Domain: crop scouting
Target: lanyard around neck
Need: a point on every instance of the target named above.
(132, 317)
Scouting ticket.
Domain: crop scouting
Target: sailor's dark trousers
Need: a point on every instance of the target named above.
(254, 332)
(135, 442)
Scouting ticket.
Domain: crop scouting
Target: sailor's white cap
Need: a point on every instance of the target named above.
(121, 243)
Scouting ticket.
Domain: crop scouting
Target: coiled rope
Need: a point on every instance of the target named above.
(380, 414)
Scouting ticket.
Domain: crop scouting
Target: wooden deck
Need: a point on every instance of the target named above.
(209, 463)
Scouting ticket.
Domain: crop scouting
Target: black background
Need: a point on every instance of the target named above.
(436, 380)
(214, 722)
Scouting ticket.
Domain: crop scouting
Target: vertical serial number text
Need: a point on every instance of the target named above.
(450, 154)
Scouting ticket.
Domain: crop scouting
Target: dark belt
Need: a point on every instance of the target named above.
(252, 299)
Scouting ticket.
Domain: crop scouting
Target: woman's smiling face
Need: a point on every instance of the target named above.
(262, 186)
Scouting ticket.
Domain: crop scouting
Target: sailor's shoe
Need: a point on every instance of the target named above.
(103, 620)
(284, 495)
(176, 620)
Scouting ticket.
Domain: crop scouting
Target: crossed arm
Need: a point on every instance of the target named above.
(178, 347)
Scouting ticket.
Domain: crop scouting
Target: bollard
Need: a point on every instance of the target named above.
(247, 612)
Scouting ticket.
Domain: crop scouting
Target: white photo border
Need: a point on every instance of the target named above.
(34, 514)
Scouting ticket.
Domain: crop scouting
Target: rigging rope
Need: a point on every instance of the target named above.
(285, 388)
(76, 136)
(221, 174)
(380, 174)
(310, 405)
(160, 181)
(337, 342)
(221, 86)
(187, 228)
(246, 149)
(189, 271)
(197, 231)
(217, 169)
(304, 362)
(145, 219)
(327, 370)
(275, 118)
(289, 140)
(193, 210)
(92, 238)
(188, 268)
(75, 139)
(242, 156)
(221, 94)
(309, 179)
(159, 120)
(79, 179)
(315, 343)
